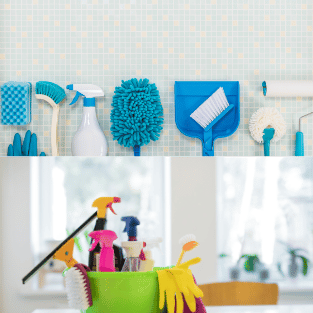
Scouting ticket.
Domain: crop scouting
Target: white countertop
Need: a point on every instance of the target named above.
(232, 309)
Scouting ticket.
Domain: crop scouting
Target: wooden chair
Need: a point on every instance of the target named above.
(239, 293)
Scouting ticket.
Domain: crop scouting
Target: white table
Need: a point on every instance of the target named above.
(232, 309)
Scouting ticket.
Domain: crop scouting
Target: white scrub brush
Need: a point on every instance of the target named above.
(78, 287)
(266, 124)
(210, 109)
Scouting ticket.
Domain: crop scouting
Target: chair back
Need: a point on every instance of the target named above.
(239, 293)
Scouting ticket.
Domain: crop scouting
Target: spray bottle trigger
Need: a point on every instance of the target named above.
(78, 94)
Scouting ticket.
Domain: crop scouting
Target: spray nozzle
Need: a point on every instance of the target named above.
(104, 237)
(104, 203)
(90, 92)
(131, 225)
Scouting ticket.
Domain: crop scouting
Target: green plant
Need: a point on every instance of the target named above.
(295, 255)
(223, 255)
(251, 260)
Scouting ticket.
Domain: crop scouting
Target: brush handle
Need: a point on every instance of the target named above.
(55, 117)
(180, 257)
(299, 144)
(267, 148)
(208, 148)
(137, 150)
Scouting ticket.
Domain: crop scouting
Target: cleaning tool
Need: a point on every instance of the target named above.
(136, 114)
(188, 243)
(132, 261)
(16, 98)
(209, 113)
(76, 279)
(299, 138)
(78, 287)
(89, 139)
(53, 94)
(131, 229)
(148, 264)
(104, 203)
(291, 88)
(286, 89)
(65, 253)
(178, 284)
(105, 238)
(75, 232)
(267, 124)
(28, 148)
(212, 110)
(197, 115)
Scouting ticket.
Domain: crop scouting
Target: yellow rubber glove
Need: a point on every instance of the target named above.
(185, 282)
(175, 282)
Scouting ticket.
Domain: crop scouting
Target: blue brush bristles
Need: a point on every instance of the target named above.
(51, 90)
(136, 114)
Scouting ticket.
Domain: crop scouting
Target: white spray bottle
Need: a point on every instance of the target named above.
(148, 264)
(89, 139)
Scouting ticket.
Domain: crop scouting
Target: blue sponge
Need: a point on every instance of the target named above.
(16, 103)
(136, 114)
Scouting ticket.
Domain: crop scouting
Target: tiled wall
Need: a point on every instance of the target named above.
(105, 41)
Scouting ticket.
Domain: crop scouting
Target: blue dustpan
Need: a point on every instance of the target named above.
(190, 95)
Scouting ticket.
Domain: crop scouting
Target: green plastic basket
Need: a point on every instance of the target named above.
(119, 292)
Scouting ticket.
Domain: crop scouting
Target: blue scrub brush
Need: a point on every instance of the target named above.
(136, 114)
(53, 94)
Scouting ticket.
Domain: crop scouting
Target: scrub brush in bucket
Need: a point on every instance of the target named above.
(188, 243)
(78, 287)
(267, 124)
(53, 94)
(136, 114)
(76, 279)
(208, 114)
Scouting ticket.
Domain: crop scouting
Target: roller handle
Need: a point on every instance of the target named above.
(208, 148)
(299, 144)
(267, 147)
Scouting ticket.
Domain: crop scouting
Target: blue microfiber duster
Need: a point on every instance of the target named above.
(136, 114)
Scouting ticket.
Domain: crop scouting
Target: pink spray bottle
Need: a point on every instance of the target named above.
(105, 238)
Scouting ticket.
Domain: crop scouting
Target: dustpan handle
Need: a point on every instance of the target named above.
(208, 148)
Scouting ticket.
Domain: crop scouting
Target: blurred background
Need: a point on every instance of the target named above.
(252, 217)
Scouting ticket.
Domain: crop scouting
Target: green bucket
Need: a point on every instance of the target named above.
(131, 292)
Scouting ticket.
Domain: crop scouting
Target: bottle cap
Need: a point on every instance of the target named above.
(131, 225)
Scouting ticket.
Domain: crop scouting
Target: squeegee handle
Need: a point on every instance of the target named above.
(51, 254)
(299, 144)
(208, 148)
(267, 147)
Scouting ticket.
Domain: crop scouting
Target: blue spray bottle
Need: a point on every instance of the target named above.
(89, 139)
(132, 247)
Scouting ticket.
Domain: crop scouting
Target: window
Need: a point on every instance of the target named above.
(65, 188)
(265, 219)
